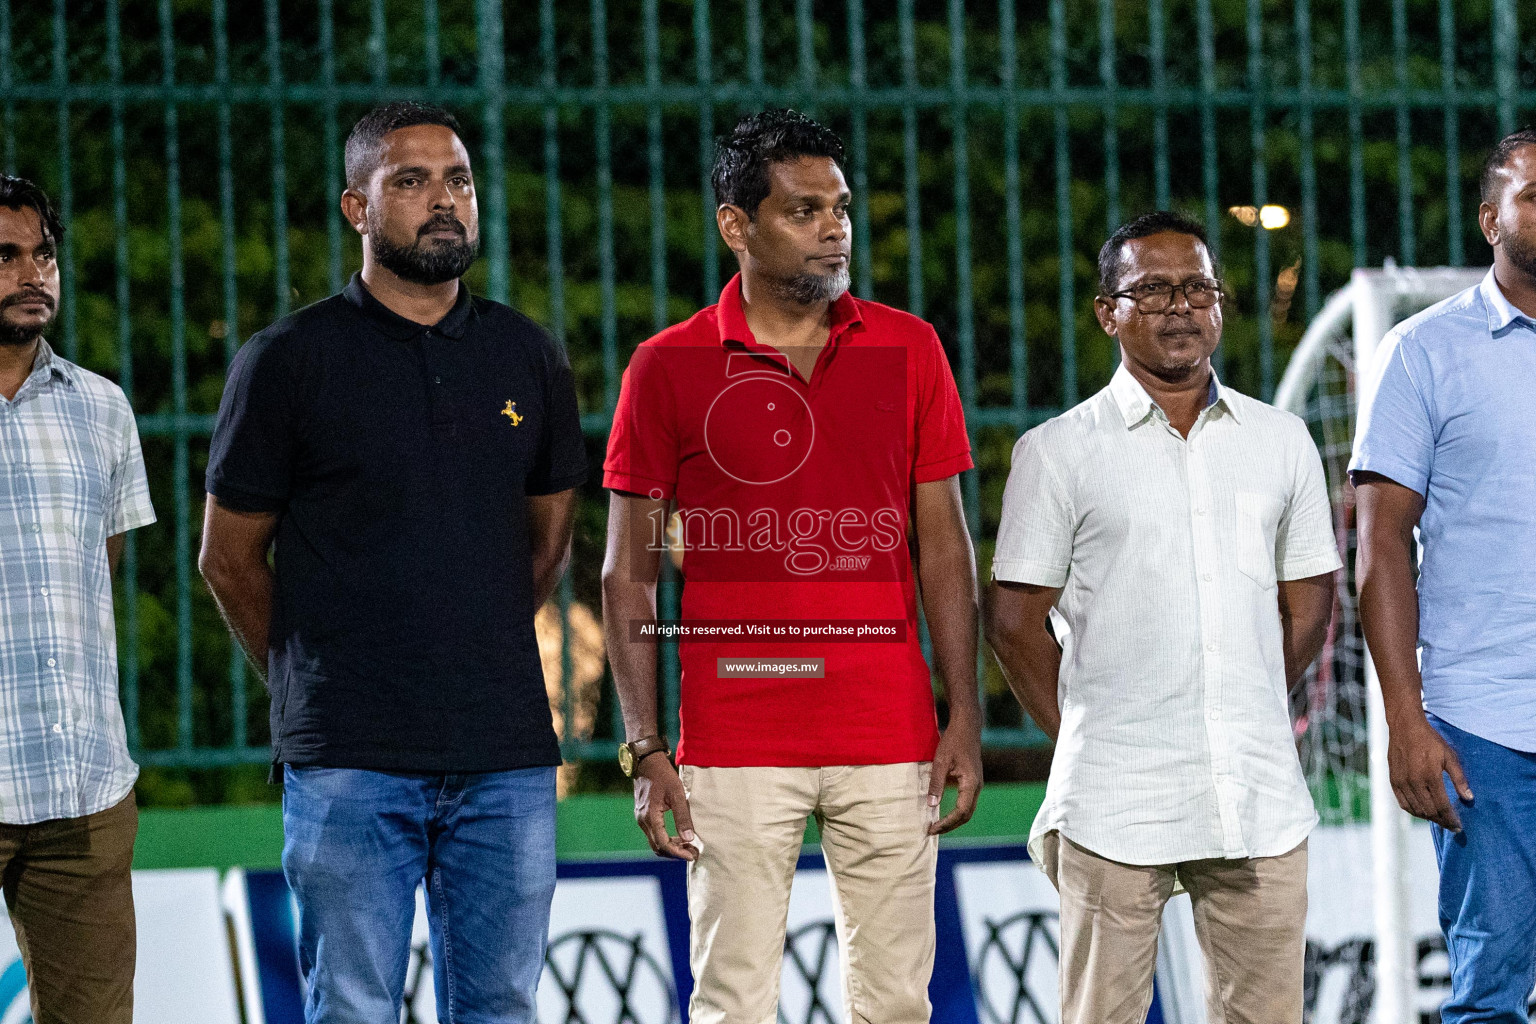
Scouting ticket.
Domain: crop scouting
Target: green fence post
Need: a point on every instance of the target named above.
(1356, 151)
(554, 232)
(1258, 136)
(965, 321)
(1309, 288)
(863, 248)
(237, 672)
(1110, 105)
(378, 45)
(67, 272)
(1455, 255)
(1506, 62)
(911, 169)
(1065, 249)
(1018, 355)
(330, 134)
(656, 190)
(754, 26)
(1157, 50)
(7, 80)
(128, 654)
(1407, 244)
(275, 98)
(603, 130)
(703, 69)
(1205, 33)
(805, 50)
(431, 56)
(180, 458)
(492, 80)
(667, 597)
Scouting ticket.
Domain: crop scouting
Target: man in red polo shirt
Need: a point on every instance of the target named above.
(810, 442)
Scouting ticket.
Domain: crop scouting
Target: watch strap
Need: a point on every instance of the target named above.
(642, 748)
(648, 753)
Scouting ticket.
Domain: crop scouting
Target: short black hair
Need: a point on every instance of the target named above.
(1147, 224)
(367, 137)
(21, 194)
(740, 176)
(1498, 159)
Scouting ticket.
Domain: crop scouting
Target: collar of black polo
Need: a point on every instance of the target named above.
(401, 328)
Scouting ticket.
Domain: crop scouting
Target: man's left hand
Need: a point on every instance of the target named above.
(957, 762)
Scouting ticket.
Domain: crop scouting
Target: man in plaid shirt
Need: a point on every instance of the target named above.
(71, 486)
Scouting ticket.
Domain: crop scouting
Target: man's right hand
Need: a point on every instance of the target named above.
(657, 791)
(1419, 757)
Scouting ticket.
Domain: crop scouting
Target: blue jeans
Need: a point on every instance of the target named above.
(1488, 883)
(358, 843)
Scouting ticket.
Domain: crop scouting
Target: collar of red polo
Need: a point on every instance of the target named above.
(733, 317)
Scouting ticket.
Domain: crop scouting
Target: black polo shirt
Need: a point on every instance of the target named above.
(398, 458)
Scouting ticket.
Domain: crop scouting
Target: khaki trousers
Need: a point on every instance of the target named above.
(874, 834)
(1250, 918)
(69, 891)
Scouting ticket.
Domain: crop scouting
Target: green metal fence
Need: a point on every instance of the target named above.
(195, 150)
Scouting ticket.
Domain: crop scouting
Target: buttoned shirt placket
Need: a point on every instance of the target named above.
(1202, 524)
(56, 696)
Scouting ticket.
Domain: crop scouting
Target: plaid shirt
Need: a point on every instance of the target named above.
(71, 475)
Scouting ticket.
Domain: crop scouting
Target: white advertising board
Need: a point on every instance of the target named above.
(184, 971)
(811, 977)
(1009, 915)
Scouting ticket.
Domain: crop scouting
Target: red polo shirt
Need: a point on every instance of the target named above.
(795, 498)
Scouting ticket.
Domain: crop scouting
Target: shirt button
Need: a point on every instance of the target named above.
(1199, 511)
(52, 662)
(1215, 716)
(437, 380)
(35, 527)
(57, 727)
(43, 591)
(1210, 647)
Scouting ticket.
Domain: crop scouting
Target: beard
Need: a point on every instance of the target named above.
(18, 335)
(808, 289)
(1521, 251)
(424, 261)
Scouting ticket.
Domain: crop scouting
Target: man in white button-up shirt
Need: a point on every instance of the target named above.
(1183, 533)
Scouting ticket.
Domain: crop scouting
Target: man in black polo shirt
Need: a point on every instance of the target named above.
(409, 452)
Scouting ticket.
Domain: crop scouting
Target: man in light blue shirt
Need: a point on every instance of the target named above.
(1447, 443)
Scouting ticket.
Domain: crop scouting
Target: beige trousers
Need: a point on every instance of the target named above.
(1250, 918)
(874, 834)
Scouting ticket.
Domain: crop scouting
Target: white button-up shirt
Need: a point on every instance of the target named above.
(1176, 740)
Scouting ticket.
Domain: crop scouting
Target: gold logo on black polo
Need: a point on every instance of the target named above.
(510, 412)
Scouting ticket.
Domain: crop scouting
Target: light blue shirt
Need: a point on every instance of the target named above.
(1454, 417)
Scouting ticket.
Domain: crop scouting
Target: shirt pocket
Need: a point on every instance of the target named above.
(1257, 516)
(70, 497)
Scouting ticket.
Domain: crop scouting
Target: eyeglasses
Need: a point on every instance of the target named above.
(1157, 296)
